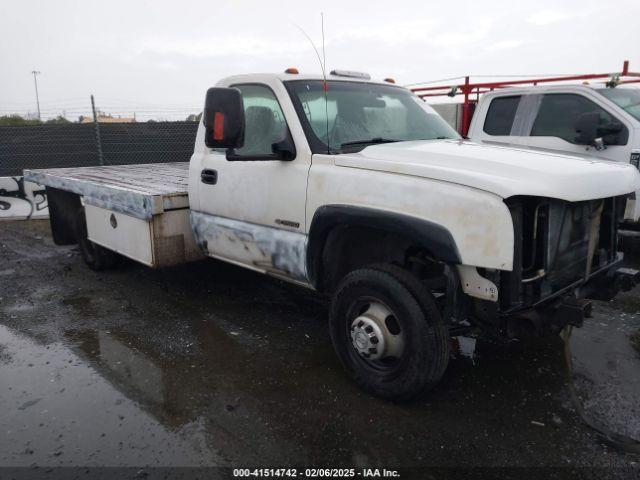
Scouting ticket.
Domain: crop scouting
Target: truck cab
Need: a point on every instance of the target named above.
(277, 180)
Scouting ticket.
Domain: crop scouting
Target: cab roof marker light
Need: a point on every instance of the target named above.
(351, 74)
(389, 80)
(292, 71)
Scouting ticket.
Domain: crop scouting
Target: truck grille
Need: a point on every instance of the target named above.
(571, 226)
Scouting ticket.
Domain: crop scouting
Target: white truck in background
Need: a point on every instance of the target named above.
(359, 190)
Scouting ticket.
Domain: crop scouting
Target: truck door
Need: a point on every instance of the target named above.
(554, 127)
(252, 203)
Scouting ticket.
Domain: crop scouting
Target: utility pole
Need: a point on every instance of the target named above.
(35, 81)
(96, 125)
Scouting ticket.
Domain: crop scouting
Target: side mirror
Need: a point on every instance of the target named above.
(612, 128)
(587, 128)
(223, 118)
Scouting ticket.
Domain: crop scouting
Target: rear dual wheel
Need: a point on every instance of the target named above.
(388, 332)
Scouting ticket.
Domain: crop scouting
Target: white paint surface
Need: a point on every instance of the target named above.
(503, 171)
(476, 286)
(479, 222)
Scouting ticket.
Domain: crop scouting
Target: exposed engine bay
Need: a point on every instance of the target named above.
(563, 255)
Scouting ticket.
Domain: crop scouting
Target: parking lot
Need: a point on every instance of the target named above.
(211, 365)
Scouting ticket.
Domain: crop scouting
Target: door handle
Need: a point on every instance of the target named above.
(210, 177)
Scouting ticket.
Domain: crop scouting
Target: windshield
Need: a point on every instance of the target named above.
(356, 115)
(626, 98)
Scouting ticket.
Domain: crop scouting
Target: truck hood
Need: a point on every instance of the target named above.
(503, 171)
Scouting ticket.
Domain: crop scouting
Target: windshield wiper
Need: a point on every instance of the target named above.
(371, 141)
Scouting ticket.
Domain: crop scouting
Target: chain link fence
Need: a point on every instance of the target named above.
(82, 144)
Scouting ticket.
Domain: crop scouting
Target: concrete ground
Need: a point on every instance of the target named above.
(212, 365)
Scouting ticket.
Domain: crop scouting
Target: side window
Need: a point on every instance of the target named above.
(559, 114)
(264, 121)
(502, 111)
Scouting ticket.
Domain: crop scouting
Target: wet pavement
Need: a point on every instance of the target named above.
(212, 365)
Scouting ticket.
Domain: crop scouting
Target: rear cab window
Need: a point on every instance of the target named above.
(500, 116)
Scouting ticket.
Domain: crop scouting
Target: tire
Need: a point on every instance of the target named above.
(95, 256)
(425, 341)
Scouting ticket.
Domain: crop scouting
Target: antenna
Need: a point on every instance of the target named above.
(324, 57)
(322, 62)
(314, 48)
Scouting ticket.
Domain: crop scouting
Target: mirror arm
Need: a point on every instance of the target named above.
(598, 144)
(284, 149)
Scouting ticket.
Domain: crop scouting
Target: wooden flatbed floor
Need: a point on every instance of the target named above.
(141, 190)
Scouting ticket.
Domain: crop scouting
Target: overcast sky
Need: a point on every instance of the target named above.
(161, 55)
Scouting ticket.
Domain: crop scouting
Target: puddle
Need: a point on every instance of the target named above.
(84, 305)
(606, 365)
(57, 410)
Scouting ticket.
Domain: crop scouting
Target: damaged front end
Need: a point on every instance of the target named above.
(565, 253)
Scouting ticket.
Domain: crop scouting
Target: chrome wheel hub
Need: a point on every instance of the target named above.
(375, 333)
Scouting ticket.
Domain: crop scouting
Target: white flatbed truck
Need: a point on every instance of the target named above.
(359, 190)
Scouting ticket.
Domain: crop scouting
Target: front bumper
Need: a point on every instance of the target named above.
(573, 304)
(607, 285)
(573, 309)
(585, 287)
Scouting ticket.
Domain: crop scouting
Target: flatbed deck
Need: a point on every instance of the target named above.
(141, 190)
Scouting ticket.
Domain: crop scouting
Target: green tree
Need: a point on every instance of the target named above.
(194, 118)
(58, 120)
(15, 120)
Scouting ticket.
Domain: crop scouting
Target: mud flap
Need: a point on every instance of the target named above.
(63, 208)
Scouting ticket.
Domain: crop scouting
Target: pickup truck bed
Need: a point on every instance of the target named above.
(140, 211)
(138, 190)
